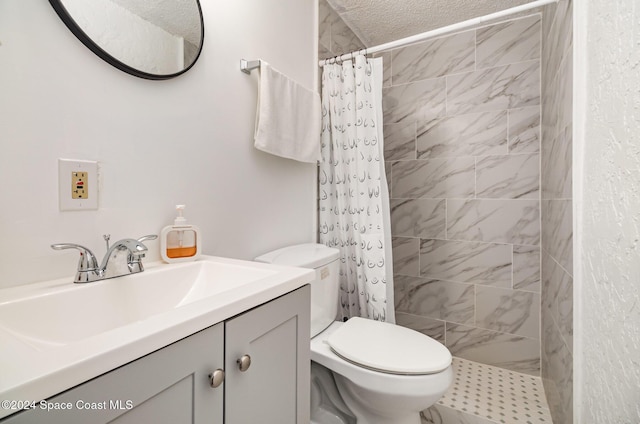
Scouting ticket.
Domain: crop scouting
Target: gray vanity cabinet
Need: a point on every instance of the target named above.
(274, 389)
(172, 385)
(166, 386)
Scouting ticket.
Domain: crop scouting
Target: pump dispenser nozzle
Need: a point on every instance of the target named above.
(180, 219)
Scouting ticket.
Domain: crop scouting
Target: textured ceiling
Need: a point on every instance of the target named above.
(380, 21)
(177, 17)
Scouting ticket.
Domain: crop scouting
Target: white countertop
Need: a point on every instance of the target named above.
(32, 371)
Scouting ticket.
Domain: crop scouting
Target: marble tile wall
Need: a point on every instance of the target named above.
(335, 37)
(556, 208)
(462, 151)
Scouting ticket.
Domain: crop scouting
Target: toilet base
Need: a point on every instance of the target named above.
(327, 406)
(369, 416)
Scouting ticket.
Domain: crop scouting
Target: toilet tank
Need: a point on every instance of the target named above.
(324, 288)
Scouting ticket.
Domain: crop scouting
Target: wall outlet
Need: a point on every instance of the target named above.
(77, 185)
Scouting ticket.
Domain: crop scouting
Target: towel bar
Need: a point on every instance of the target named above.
(248, 66)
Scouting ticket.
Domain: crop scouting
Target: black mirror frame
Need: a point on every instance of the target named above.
(91, 45)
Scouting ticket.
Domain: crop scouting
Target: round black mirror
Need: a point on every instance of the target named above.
(152, 39)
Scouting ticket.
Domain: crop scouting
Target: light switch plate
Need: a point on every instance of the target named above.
(77, 185)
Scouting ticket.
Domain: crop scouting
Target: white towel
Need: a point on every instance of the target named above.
(288, 120)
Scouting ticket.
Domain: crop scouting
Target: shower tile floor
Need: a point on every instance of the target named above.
(483, 394)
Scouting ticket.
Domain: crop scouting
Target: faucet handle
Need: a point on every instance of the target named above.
(87, 260)
(147, 237)
(136, 254)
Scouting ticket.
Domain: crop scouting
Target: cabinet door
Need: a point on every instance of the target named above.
(275, 387)
(168, 386)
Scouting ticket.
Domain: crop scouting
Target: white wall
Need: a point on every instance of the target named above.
(607, 211)
(159, 143)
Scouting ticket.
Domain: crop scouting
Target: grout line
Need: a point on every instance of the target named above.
(513, 267)
(540, 189)
(475, 177)
(446, 219)
(509, 130)
(446, 96)
(481, 364)
(415, 139)
(475, 305)
(509, 64)
(475, 50)
(390, 68)
(445, 333)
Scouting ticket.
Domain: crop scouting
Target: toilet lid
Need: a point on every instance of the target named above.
(306, 255)
(388, 348)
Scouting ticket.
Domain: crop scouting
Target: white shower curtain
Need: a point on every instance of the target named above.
(354, 201)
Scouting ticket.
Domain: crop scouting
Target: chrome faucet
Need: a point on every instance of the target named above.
(123, 258)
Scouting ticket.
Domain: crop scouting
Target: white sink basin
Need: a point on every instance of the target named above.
(56, 334)
(86, 310)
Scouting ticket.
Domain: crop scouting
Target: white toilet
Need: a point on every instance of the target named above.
(385, 374)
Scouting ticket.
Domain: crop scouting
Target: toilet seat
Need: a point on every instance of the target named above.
(388, 348)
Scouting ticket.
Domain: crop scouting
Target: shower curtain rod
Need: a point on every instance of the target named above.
(436, 32)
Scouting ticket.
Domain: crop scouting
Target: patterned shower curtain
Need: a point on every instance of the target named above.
(354, 201)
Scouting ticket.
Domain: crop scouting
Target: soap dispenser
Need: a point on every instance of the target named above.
(180, 242)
